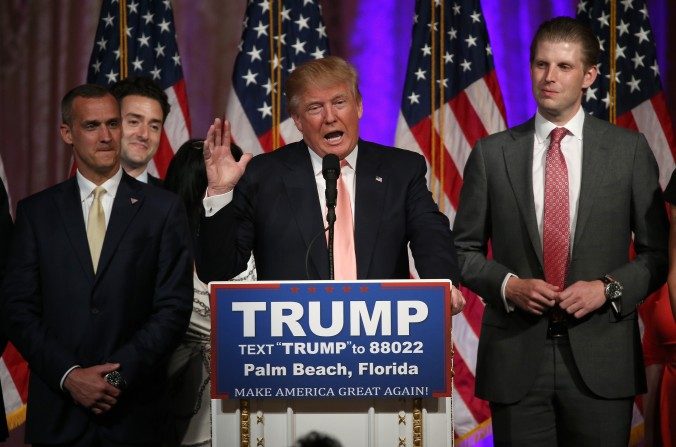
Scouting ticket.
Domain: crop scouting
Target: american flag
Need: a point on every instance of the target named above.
(147, 47)
(635, 99)
(278, 36)
(13, 367)
(638, 101)
(451, 99)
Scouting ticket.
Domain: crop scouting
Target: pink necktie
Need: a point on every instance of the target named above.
(345, 261)
(556, 220)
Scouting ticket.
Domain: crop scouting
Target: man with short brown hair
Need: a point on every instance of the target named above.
(559, 199)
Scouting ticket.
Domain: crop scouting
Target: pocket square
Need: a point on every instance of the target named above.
(379, 179)
(133, 200)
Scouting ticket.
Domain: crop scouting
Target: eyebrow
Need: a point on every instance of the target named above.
(136, 115)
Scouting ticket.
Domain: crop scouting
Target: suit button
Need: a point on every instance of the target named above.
(95, 311)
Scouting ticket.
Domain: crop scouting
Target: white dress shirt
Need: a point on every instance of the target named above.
(571, 147)
(86, 188)
(87, 194)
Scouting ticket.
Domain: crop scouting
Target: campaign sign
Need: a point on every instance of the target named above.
(330, 339)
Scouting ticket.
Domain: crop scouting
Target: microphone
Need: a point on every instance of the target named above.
(331, 172)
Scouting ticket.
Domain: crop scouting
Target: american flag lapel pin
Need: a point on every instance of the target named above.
(379, 179)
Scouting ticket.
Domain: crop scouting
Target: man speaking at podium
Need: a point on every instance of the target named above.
(276, 206)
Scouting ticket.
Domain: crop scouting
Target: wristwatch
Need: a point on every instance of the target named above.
(115, 378)
(613, 291)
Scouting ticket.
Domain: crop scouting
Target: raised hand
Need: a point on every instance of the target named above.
(223, 172)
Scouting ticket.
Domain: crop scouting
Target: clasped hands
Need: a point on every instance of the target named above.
(89, 388)
(536, 296)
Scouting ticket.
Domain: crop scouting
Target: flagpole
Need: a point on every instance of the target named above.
(433, 69)
(273, 92)
(123, 39)
(612, 63)
(442, 115)
(278, 73)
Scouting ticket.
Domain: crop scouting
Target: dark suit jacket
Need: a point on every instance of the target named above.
(276, 213)
(152, 180)
(5, 237)
(133, 311)
(619, 195)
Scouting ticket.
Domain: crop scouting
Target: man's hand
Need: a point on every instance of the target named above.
(583, 297)
(457, 301)
(223, 172)
(88, 388)
(531, 295)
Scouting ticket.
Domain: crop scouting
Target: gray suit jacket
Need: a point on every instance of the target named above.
(619, 195)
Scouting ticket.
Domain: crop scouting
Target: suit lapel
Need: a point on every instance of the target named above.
(519, 164)
(593, 172)
(369, 202)
(69, 204)
(301, 188)
(128, 201)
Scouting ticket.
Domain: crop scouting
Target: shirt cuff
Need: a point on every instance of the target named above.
(213, 204)
(63, 379)
(509, 307)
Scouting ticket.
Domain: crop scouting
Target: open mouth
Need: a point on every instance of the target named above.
(334, 137)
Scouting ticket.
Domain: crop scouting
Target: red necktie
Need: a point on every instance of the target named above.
(345, 261)
(556, 220)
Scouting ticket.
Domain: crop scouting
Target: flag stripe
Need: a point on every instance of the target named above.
(467, 117)
(648, 121)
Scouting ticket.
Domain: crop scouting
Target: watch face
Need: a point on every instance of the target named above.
(613, 291)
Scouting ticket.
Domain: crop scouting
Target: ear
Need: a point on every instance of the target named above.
(66, 134)
(360, 109)
(297, 122)
(590, 76)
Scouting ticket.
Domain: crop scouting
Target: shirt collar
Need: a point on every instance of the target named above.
(543, 127)
(143, 176)
(317, 160)
(87, 187)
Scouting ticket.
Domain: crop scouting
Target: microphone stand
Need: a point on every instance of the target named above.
(331, 219)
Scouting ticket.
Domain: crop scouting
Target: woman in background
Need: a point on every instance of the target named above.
(189, 368)
(659, 348)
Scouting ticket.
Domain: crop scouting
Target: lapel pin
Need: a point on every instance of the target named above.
(133, 200)
(379, 179)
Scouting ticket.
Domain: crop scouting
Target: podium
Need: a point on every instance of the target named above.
(368, 363)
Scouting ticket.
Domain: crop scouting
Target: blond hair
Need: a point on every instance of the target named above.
(325, 72)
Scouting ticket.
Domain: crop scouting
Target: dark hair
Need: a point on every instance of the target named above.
(315, 439)
(568, 29)
(187, 177)
(81, 91)
(141, 86)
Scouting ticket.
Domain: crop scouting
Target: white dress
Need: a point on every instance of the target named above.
(189, 369)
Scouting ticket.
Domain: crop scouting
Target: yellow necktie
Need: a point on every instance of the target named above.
(96, 226)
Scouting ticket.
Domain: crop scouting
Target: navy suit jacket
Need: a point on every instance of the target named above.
(133, 311)
(152, 180)
(276, 213)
